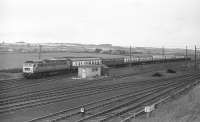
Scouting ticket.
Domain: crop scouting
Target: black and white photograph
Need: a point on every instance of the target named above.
(99, 60)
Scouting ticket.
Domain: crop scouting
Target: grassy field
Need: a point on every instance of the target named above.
(15, 60)
(181, 109)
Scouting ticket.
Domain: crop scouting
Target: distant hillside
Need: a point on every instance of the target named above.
(73, 47)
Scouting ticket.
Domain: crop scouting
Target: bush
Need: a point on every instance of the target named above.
(157, 74)
(171, 71)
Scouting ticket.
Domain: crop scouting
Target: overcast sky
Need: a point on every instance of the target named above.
(151, 23)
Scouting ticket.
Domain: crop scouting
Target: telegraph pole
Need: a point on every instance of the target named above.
(130, 55)
(130, 51)
(163, 51)
(40, 50)
(195, 58)
(163, 54)
(186, 52)
(186, 55)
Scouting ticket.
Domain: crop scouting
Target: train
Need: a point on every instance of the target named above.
(53, 66)
(58, 65)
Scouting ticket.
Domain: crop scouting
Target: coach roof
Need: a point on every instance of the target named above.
(84, 59)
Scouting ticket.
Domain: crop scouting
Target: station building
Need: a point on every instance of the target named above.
(88, 71)
(91, 71)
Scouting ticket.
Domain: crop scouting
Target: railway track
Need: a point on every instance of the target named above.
(4, 91)
(56, 92)
(130, 105)
(111, 102)
(12, 84)
(96, 104)
(38, 82)
(24, 99)
(18, 103)
(44, 97)
(138, 105)
(134, 104)
(10, 81)
(155, 102)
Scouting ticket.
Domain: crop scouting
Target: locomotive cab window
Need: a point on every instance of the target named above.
(27, 69)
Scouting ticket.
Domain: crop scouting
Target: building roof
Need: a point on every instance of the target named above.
(92, 65)
(84, 59)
